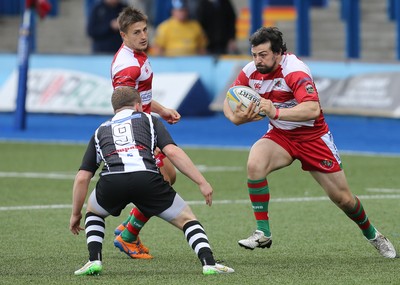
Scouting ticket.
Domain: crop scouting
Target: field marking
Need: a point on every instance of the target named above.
(39, 175)
(218, 202)
(69, 176)
(383, 190)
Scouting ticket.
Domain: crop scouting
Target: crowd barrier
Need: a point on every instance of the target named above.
(196, 86)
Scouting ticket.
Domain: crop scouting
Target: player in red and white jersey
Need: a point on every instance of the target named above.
(131, 67)
(288, 85)
(297, 130)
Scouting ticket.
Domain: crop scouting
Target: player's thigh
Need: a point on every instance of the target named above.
(184, 217)
(266, 156)
(336, 187)
(94, 206)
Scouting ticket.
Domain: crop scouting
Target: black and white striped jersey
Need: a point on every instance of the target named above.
(126, 143)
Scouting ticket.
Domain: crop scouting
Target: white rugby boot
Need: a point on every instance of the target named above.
(216, 269)
(383, 245)
(257, 239)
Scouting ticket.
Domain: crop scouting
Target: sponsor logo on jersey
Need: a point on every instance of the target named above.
(126, 149)
(310, 89)
(257, 86)
(277, 83)
(146, 97)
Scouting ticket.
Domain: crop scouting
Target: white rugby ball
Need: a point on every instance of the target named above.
(245, 95)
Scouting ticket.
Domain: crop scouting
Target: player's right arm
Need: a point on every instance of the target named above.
(79, 192)
(239, 116)
(80, 188)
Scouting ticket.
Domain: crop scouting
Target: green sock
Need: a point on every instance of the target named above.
(358, 215)
(135, 224)
(259, 197)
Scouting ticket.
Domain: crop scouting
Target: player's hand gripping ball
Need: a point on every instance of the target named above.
(245, 95)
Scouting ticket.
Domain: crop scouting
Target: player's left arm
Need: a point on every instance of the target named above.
(170, 115)
(185, 165)
(181, 160)
(304, 92)
(304, 111)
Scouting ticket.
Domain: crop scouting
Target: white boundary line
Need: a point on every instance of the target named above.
(194, 146)
(70, 176)
(217, 202)
(383, 190)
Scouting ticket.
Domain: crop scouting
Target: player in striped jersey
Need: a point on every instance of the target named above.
(131, 67)
(297, 130)
(125, 145)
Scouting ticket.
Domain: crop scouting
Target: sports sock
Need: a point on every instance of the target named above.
(198, 240)
(259, 197)
(358, 215)
(136, 222)
(94, 229)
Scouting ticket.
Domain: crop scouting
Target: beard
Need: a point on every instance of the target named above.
(263, 69)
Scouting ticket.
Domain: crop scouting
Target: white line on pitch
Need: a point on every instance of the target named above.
(37, 175)
(53, 175)
(273, 200)
(383, 190)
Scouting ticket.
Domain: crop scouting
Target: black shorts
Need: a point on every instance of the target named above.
(150, 193)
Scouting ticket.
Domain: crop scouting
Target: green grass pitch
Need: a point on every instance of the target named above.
(314, 242)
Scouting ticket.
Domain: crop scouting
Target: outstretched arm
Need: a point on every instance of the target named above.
(185, 165)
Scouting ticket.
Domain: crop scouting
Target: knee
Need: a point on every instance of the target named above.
(254, 170)
(345, 202)
(185, 216)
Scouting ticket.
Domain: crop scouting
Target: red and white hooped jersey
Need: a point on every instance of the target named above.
(132, 68)
(290, 84)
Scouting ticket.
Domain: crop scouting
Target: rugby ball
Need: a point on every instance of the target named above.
(245, 95)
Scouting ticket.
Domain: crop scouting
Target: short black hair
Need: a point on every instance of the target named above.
(269, 34)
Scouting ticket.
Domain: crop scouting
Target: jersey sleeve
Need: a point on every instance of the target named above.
(163, 136)
(89, 161)
(126, 77)
(302, 85)
(241, 80)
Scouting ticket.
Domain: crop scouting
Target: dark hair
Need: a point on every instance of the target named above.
(269, 34)
(125, 96)
(129, 16)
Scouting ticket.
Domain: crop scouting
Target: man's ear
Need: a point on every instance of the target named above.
(138, 107)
